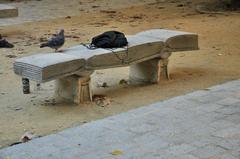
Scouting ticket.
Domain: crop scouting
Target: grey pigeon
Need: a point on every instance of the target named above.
(55, 42)
(4, 43)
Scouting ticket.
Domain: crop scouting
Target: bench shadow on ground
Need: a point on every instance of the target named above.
(177, 76)
(182, 80)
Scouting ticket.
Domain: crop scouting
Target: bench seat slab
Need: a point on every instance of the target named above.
(46, 67)
(174, 40)
(7, 11)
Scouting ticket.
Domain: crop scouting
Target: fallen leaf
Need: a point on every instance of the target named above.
(206, 89)
(11, 56)
(136, 17)
(117, 152)
(95, 6)
(161, 7)
(180, 5)
(182, 55)
(108, 11)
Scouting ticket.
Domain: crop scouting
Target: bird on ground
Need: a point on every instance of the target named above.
(4, 43)
(55, 42)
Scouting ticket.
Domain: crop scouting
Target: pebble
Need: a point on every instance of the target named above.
(18, 108)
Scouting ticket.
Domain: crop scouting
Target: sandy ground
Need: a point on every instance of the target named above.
(217, 61)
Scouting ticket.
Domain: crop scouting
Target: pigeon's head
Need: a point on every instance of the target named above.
(61, 32)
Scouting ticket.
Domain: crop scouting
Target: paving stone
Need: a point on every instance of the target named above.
(225, 156)
(228, 133)
(155, 155)
(208, 108)
(226, 86)
(142, 128)
(186, 156)
(206, 99)
(154, 141)
(222, 124)
(177, 150)
(234, 118)
(195, 94)
(202, 142)
(207, 151)
(236, 153)
(230, 110)
(229, 101)
(236, 94)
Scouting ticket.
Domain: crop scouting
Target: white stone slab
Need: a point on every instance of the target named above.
(8, 11)
(44, 67)
(174, 40)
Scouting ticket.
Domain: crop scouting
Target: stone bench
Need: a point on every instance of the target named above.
(147, 55)
(7, 11)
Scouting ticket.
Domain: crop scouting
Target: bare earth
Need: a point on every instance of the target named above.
(217, 61)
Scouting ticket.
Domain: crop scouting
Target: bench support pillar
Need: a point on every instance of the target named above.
(74, 88)
(151, 71)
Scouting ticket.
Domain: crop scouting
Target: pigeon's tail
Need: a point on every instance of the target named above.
(43, 45)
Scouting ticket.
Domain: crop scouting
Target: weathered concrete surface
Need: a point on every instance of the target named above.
(199, 125)
(7, 11)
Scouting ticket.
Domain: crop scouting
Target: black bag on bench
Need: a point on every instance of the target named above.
(109, 39)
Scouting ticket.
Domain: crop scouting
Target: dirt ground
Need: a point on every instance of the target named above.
(217, 61)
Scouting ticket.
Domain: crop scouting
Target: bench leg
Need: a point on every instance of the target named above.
(74, 88)
(151, 71)
(26, 86)
(144, 72)
(84, 91)
(163, 63)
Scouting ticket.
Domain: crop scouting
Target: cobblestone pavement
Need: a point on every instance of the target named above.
(48, 9)
(200, 125)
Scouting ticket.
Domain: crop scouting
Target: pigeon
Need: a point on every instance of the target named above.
(4, 43)
(55, 42)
